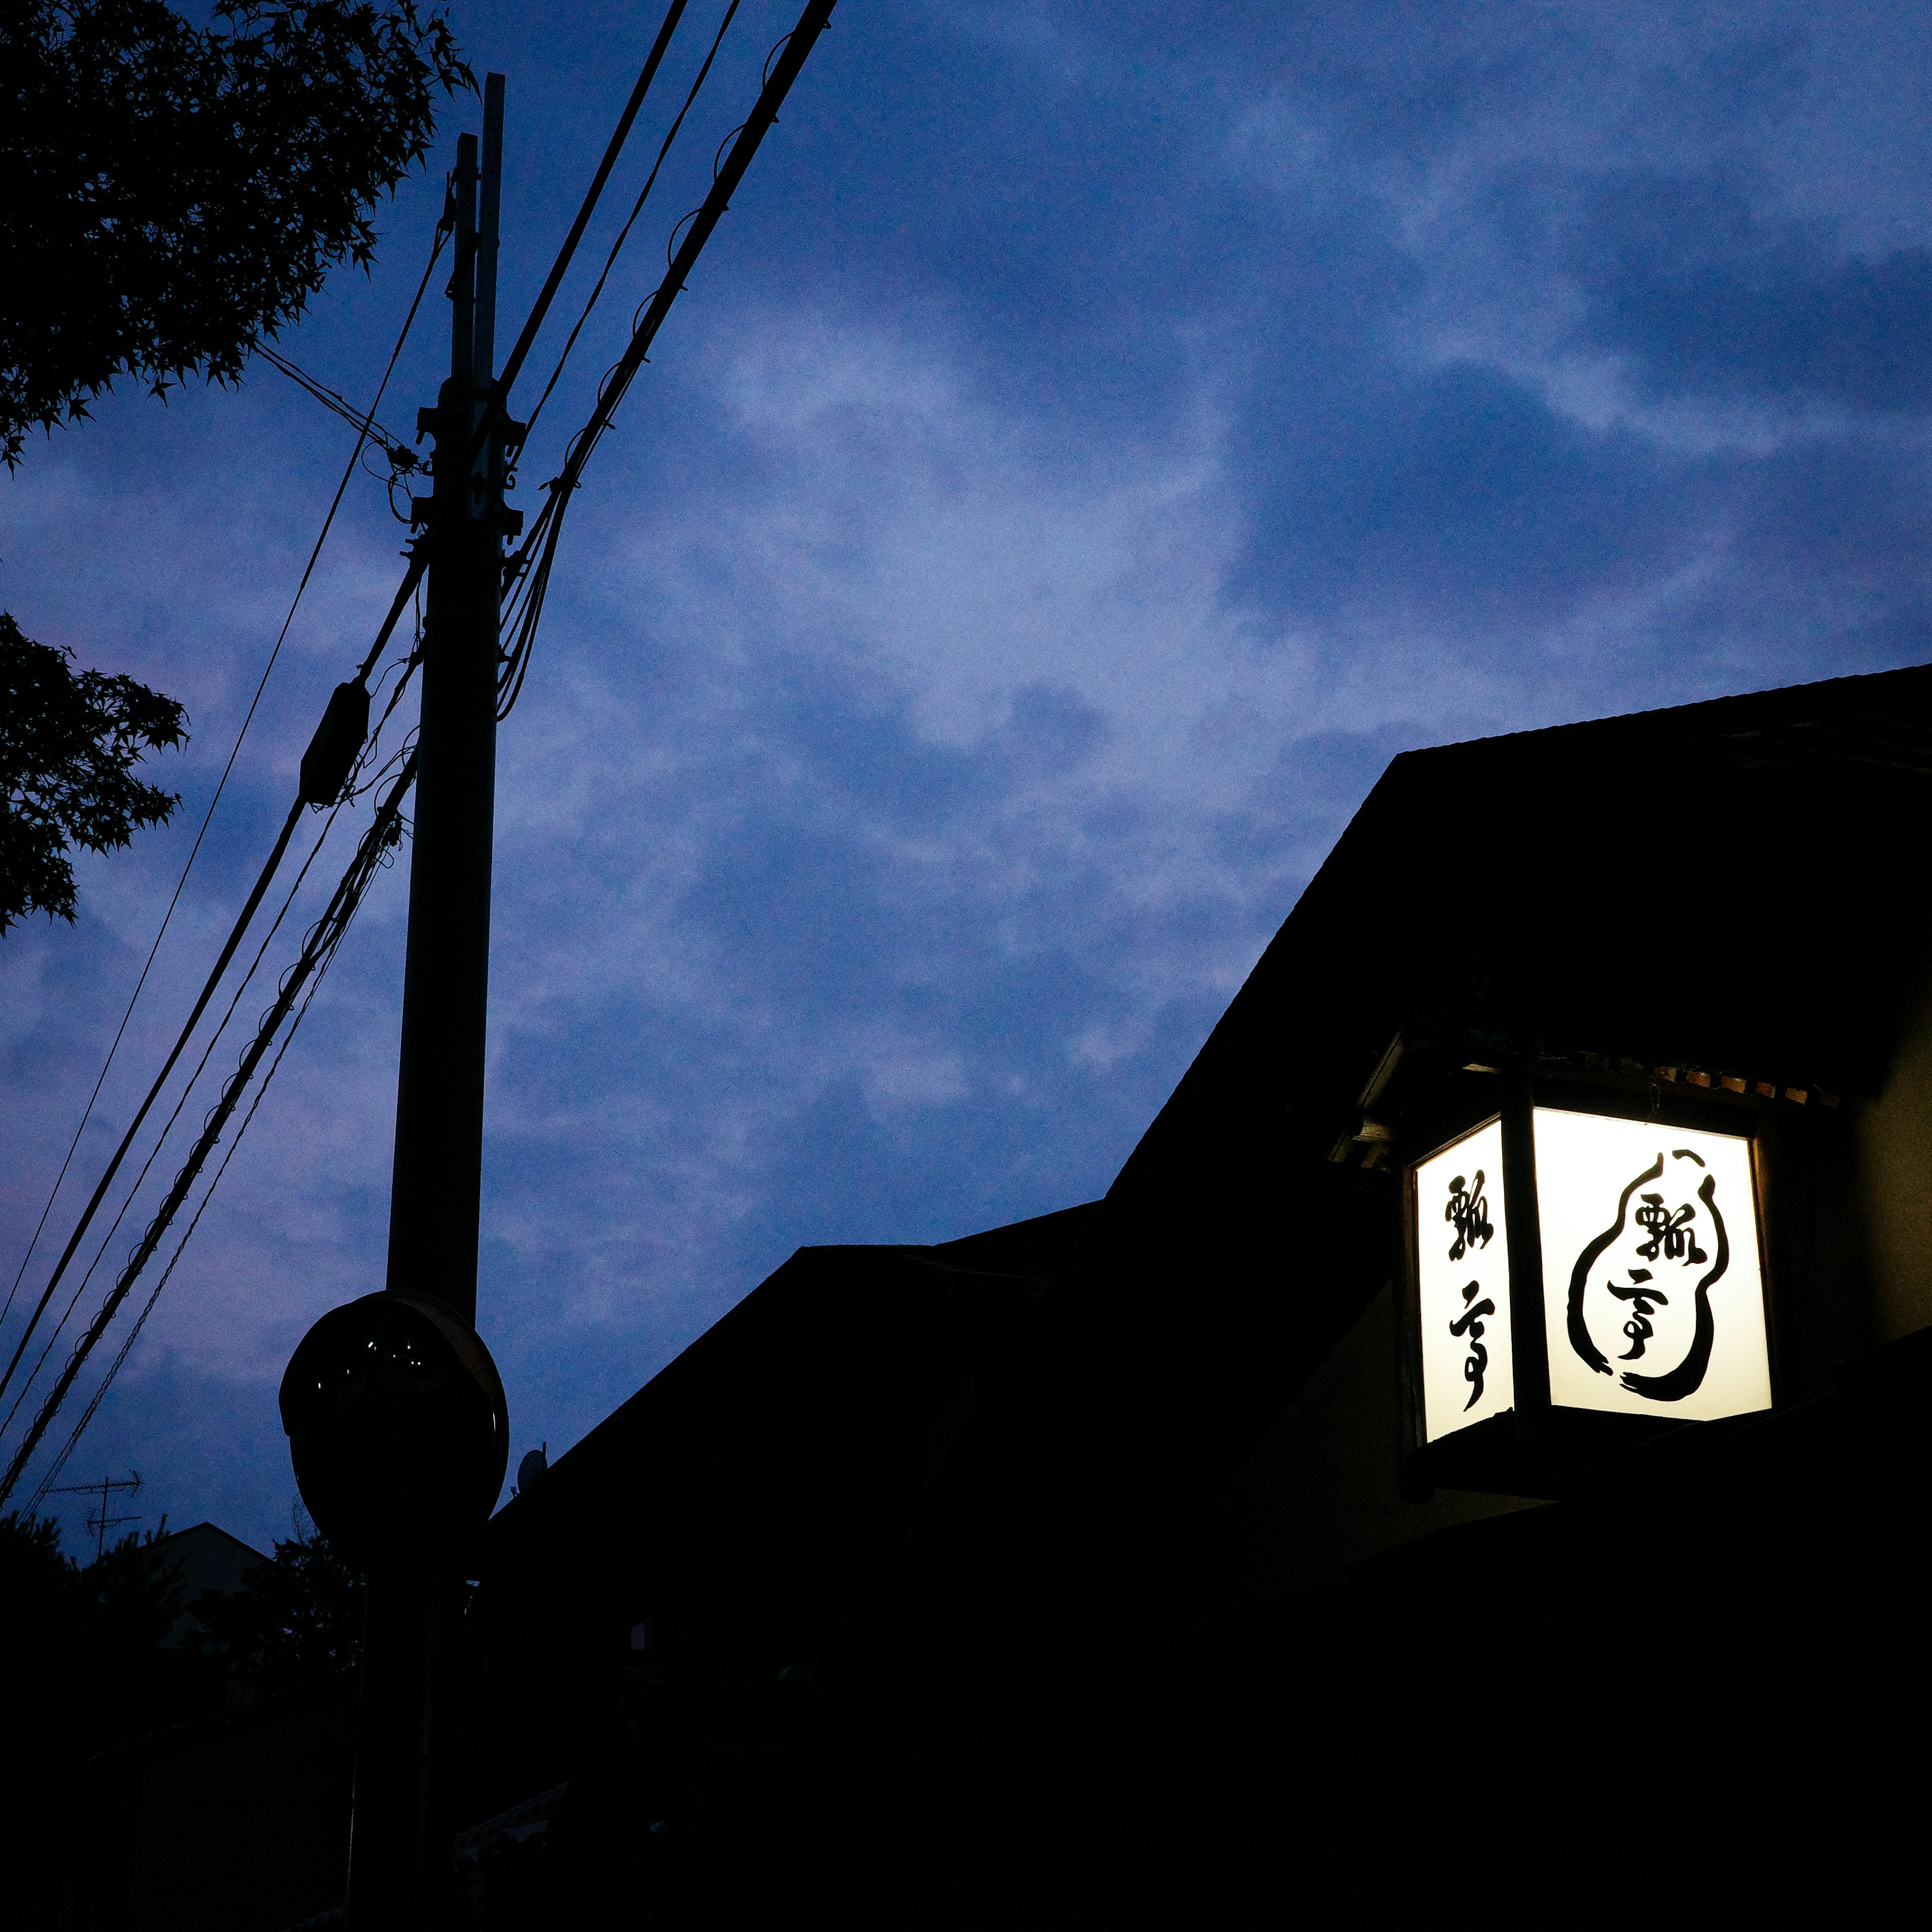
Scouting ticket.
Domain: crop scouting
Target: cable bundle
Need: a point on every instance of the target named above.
(526, 575)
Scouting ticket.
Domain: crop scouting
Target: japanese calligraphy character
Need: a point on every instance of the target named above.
(1469, 1323)
(1670, 1234)
(1644, 1301)
(1468, 1213)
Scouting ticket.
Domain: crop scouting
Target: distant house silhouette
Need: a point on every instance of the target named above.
(209, 1562)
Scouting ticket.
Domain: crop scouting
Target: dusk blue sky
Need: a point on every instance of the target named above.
(1098, 439)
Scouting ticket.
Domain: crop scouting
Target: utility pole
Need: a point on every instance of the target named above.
(101, 1522)
(401, 1857)
(435, 1191)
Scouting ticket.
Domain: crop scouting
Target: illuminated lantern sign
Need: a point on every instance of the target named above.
(1462, 1265)
(1563, 1260)
(1653, 1291)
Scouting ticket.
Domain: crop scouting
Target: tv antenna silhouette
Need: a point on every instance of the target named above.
(99, 1521)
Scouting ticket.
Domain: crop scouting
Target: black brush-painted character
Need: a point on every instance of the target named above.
(1469, 1323)
(1468, 1214)
(1672, 1233)
(1645, 1300)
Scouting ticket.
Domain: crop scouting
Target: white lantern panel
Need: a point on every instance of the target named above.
(1653, 1286)
(1462, 1283)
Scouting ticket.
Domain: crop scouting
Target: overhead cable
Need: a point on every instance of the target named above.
(399, 451)
(492, 413)
(418, 563)
(346, 788)
(182, 1099)
(348, 470)
(120, 1154)
(323, 937)
(781, 70)
(782, 67)
(726, 173)
(44, 1487)
(630, 222)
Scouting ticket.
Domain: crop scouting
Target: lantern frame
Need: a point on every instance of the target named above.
(1532, 1448)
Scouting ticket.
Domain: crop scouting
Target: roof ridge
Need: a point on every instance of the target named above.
(1776, 703)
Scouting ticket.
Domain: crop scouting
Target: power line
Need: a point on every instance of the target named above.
(188, 1233)
(412, 577)
(782, 67)
(161, 1140)
(399, 452)
(348, 790)
(494, 408)
(107, 1180)
(727, 172)
(499, 390)
(638, 208)
(526, 613)
(330, 790)
(348, 470)
(324, 937)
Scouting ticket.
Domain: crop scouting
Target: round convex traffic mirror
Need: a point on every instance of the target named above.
(396, 1426)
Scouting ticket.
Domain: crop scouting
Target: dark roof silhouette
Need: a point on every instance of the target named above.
(1717, 885)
